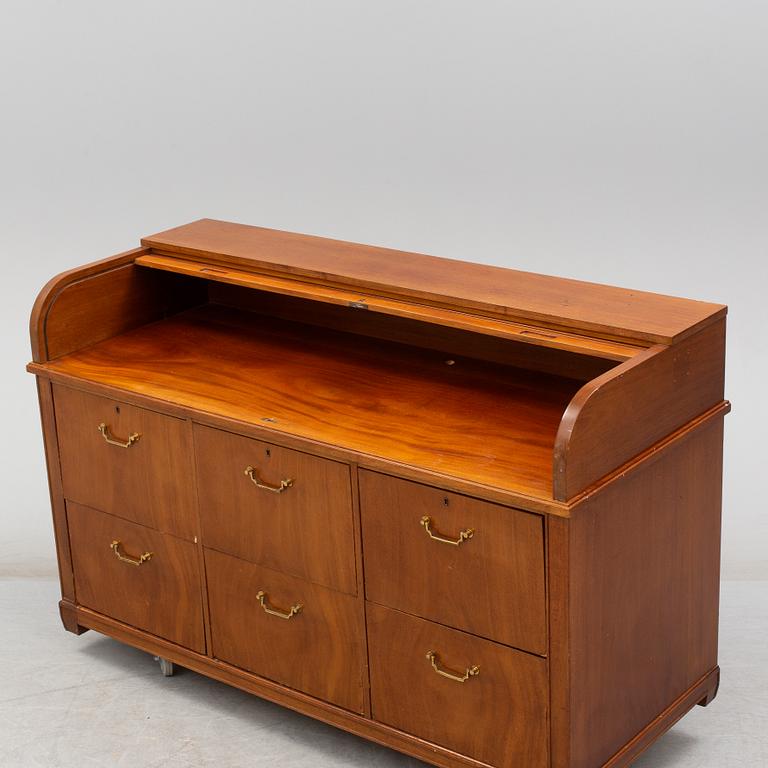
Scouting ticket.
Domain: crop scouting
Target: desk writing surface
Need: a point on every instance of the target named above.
(477, 421)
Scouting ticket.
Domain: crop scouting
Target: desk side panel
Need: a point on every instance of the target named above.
(103, 299)
(642, 595)
(627, 410)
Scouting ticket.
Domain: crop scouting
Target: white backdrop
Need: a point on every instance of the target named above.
(624, 143)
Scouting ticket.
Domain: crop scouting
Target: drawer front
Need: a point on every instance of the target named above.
(303, 528)
(286, 629)
(148, 480)
(478, 698)
(159, 593)
(490, 584)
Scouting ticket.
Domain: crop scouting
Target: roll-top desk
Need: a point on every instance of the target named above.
(467, 512)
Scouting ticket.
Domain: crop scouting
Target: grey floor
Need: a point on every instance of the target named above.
(90, 701)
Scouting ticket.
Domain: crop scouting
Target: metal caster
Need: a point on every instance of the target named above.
(166, 667)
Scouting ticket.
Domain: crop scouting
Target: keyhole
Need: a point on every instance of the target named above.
(445, 501)
(117, 409)
(268, 452)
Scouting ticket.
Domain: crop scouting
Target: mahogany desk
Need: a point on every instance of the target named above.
(467, 512)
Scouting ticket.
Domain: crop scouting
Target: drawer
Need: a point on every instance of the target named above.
(302, 527)
(489, 584)
(148, 480)
(478, 698)
(159, 592)
(286, 629)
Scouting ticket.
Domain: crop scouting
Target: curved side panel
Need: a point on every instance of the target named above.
(39, 331)
(100, 300)
(631, 407)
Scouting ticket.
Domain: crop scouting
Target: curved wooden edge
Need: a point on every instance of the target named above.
(628, 409)
(578, 403)
(52, 289)
(650, 455)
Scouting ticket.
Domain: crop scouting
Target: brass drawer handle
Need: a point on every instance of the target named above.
(262, 597)
(115, 547)
(426, 521)
(104, 429)
(434, 659)
(253, 473)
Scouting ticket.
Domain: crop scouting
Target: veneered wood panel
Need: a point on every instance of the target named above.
(643, 594)
(613, 312)
(58, 284)
(306, 530)
(558, 593)
(498, 716)
(386, 400)
(357, 533)
(478, 324)
(151, 482)
(633, 406)
(491, 584)
(161, 596)
(101, 300)
(58, 508)
(319, 650)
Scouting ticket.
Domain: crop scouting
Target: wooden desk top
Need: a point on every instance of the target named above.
(555, 302)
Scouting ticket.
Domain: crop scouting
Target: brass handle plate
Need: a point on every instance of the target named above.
(253, 473)
(115, 547)
(434, 659)
(132, 438)
(426, 521)
(262, 597)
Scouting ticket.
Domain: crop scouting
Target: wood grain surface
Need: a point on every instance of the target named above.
(319, 651)
(479, 324)
(305, 531)
(633, 406)
(152, 482)
(61, 284)
(56, 490)
(491, 585)
(604, 310)
(498, 716)
(390, 386)
(100, 300)
(161, 596)
(638, 599)
(478, 421)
